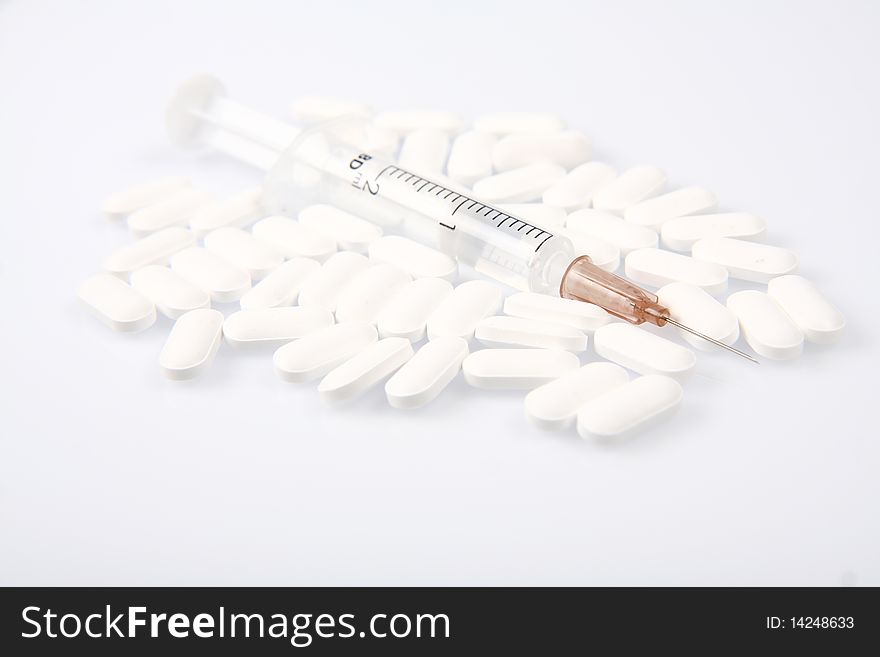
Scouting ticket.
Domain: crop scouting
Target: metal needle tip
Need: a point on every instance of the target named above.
(712, 340)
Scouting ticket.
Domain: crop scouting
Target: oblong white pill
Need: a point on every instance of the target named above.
(273, 326)
(577, 188)
(403, 121)
(116, 303)
(516, 369)
(406, 313)
(192, 344)
(153, 249)
(292, 239)
(630, 187)
(427, 373)
(766, 327)
(654, 212)
(611, 229)
(568, 149)
(137, 197)
(470, 158)
(520, 185)
(602, 253)
(364, 297)
(215, 275)
(506, 331)
(543, 307)
(176, 210)
(642, 351)
(457, 316)
(418, 260)
(554, 406)
(348, 231)
(282, 286)
(748, 261)
(634, 405)
(680, 233)
(244, 251)
(323, 287)
(505, 123)
(424, 151)
(820, 321)
(310, 109)
(657, 267)
(545, 216)
(316, 354)
(238, 211)
(365, 369)
(696, 308)
(171, 293)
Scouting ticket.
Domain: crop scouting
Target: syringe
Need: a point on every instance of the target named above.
(332, 163)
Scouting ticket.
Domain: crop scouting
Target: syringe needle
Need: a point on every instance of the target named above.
(712, 340)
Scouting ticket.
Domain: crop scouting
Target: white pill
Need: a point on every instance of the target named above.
(545, 216)
(577, 188)
(457, 316)
(567, 149)
(602, 253)
(696, 308)
(642, 351)
(244, 251)
(516, 369)
(749, 261)
(766, 327)
(238, 211)
(418, 260)
(654, 212)
(292, 239)
(506, 331)
(381, 140)
(171, 293)
(316, 354)
(364, 370)
(282, 286)
(192, 344)
(367, 293)
(630, 187)
(611, 229)
(657, 268)
(140, 196)
(406, 313)
(323, 287)
(635, 405)
(311, 109)
(680, 233)
(577, 314)
(216, 276)
(409, 120)
(426, 374)
(274, 326)
(555, 405)
(820, 321)
(176, 210)
(520, 185)
(471, 157)
(153, 249)
(505, 123)
(116, 303)
(348, 231)
(424, 151)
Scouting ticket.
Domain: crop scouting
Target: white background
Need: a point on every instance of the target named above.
(110, 474)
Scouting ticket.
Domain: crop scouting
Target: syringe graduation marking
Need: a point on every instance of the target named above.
(501, 218)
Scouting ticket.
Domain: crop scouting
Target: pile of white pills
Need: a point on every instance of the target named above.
(347, 307)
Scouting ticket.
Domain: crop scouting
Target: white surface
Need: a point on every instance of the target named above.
(766, 475)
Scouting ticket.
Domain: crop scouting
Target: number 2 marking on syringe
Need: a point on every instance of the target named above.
(501, 220)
